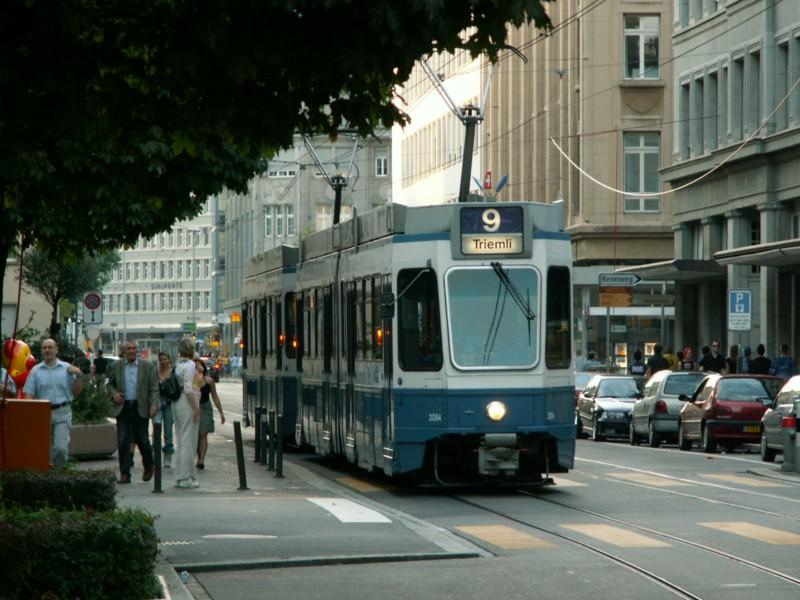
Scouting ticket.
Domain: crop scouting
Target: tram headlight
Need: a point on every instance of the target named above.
(496, 410)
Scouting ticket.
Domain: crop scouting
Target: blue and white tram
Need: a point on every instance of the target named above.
(429, 341)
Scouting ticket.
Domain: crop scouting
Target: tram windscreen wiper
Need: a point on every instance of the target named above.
(522, 302)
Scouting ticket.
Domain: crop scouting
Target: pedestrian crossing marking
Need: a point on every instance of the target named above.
(505, 537)
(348, 511)
(616, 536)
(646, 479)
(758, 482)
(767, 535)
(563, 482)
(359, 485)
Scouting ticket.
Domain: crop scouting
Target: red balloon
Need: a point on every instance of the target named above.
(31, 362)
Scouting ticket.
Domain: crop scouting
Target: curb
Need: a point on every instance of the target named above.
(777, 476)
(174, 588)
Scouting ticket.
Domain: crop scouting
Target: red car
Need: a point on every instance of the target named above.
(726, 409)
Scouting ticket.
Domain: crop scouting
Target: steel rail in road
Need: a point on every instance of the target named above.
(645, 573)
(753, 565)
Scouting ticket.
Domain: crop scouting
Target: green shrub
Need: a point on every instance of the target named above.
(67, 489)
(49, 554)
(93, 404)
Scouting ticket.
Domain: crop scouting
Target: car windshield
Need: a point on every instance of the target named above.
(618, 388)
(487, 327)
(745, 389)
(682, 384)
(581, 379)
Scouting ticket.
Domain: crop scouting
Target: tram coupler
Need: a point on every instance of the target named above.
(498, 454)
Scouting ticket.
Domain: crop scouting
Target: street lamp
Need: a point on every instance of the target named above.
(193, 231)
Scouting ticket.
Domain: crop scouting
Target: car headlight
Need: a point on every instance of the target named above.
(496, 410)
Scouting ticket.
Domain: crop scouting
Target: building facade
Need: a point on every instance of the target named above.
(599, 86)
(34, 311)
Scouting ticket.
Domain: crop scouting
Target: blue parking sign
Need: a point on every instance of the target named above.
(739, 310)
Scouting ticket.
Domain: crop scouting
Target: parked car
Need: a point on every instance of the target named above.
(726, 409)
(655, 415)
(581, 379)
(783, 406)
(604, 406)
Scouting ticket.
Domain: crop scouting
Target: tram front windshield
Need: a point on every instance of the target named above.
(488, 329)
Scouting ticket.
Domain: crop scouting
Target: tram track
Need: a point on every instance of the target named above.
(646, 573)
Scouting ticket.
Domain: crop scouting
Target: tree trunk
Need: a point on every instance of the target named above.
(5, 246)
(55, 326)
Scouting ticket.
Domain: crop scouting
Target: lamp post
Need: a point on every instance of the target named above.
(192, 231)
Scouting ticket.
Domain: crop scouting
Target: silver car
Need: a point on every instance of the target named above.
(655, 415)
(783, 406)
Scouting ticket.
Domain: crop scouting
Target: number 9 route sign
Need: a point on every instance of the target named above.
(92, 308)
(492, 230)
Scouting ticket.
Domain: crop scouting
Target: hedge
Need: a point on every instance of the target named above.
(67, 489)
(50, 554)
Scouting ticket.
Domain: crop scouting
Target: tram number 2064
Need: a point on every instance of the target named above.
(434, 417)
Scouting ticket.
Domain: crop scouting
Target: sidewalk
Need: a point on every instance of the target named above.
(299, 520)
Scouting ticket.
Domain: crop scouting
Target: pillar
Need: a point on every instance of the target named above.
(738, 235)
(775, 317)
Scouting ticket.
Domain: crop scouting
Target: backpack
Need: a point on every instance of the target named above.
(171, 387)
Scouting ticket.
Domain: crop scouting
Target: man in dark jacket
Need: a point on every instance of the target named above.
(760, 364)
(656, 362)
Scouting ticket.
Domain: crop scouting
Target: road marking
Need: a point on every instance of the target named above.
(348, 511)
(617, 536)
(767, 535)
(744, 480)
(505, 537)
(563, 482)
(359, 484)
(654, 480)
(238, 536)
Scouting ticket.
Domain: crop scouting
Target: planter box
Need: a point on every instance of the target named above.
(93, 440)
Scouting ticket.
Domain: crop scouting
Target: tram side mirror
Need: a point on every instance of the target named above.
(387, 306)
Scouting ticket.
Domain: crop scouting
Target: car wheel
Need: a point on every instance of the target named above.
(767, 453)
(653, 437)
(709, 443)
(578, 427)
(596, 435)
(683, 443)
(633, 439)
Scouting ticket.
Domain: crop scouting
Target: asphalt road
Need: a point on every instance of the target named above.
(627, 522)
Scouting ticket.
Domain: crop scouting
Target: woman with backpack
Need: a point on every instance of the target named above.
(170, 390)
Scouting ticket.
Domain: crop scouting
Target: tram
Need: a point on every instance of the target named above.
(432, 342)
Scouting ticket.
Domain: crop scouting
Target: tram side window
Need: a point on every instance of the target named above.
(308, 324)
(376, 328)
(270, 325)
(245, 339)
(278, 336)
(558, 338)
(327, 328)
(420, 336)
(291, 325)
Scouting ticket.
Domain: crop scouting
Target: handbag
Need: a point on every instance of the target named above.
(171, 387)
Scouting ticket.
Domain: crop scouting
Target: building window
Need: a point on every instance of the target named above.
(135, 271)
(279, 173)
(641, 46)
(180, 301)
(171, 269)
(206, 300)
(737, 96)
(381, 166)
(206, 237)
(324, 217)
(179, 233)
(267, 221)
(290, 220)
(163, 301)
(127, 271)
(279, 221)
(642, 157)
(207, 267)
(180, 270)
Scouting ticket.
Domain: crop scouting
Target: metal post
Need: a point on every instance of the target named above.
(194, 308)
(470, 120)
(157, 457)
(271, 423)
(262, 456)
(608, 333)
(237, 434)
(279, 452)
(258, 412)
(124, 304)
(338, 183)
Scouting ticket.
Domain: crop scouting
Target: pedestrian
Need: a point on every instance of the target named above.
(100, 367)
(713, 361)
(687, 361)
(166, 372)
(8, 389)
(783, 366)
(591, 361)
(186, 413)
(133, 385)
(59, 382)
(208, 391)
(235, 365)
(732, 362)
(637, 368)
(760, 365)
(656, 362)
(671, 359)
(745, 361)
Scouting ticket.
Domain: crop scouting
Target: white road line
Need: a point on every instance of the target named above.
(348, 511)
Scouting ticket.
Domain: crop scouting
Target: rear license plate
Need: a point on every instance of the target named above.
(752, 428)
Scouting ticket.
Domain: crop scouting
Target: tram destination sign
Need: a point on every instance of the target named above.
(491, 230)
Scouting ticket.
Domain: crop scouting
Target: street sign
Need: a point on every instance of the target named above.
(93, 308)
(189, 326)
(739, 310)
(611, 296)
(618, 279)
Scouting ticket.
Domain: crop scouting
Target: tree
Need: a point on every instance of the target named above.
(112, 112)
(66, 279)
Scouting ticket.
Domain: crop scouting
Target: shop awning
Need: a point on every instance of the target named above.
(785, 253)
(677, 269)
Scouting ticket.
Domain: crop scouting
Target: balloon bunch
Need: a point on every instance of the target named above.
(19, 361)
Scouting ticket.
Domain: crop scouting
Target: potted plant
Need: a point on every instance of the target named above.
(94, 434)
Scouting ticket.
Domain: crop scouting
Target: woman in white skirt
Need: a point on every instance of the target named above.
(186, 413)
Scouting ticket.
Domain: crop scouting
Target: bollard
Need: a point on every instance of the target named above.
(262, 445)
(259, 410)
(272, 432)
(157, 458)
(788, 436)
(279, 450)
(237, 435)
